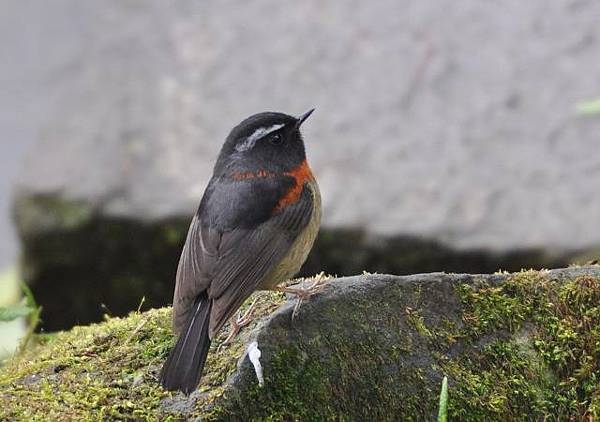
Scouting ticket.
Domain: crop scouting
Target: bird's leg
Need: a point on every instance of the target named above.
(238, 323)
(302, 294)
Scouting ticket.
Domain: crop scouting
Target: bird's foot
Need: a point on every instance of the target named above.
(317, 286)
(238, 323)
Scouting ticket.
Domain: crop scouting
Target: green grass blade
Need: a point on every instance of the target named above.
(30, 300)
(34, 317)
(443, 408)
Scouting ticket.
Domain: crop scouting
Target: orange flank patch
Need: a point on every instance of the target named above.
(301, 174)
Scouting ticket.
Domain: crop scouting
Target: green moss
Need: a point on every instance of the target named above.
(416, 320)
(524, 346)
(287, 391)
(109, 371)
(88, 372)
(499, 381)
(551, 371)
(345, 371)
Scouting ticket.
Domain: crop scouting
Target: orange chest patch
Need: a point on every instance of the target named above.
(301, 175)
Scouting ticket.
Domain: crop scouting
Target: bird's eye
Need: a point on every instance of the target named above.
(276, 139)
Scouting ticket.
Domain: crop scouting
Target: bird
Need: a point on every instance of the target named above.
(256, 223)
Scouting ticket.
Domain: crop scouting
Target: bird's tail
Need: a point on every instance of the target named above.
(183, 368)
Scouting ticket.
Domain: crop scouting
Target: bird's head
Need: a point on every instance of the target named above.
(266, 141)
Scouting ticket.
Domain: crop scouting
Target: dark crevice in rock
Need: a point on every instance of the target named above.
(75, 259)
(347, 251)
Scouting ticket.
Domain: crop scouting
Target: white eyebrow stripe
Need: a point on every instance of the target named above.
(256, 135)
(262, 131)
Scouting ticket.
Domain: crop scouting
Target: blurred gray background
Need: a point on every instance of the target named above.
(37, 40)
(446, 135)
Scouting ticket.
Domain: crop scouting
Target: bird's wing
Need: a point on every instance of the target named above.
(234, 241)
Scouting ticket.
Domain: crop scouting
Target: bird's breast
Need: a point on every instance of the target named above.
(291, 263)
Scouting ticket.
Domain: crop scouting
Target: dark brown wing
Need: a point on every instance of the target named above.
(229, 259)
(192, 278)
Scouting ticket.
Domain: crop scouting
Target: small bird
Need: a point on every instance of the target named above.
(256, 223)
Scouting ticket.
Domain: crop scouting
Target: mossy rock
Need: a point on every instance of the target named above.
(523, 346)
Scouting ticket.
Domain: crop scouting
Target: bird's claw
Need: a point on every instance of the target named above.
(302, 294)
(238, 323)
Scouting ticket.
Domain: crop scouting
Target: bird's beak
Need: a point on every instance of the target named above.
(303, 117)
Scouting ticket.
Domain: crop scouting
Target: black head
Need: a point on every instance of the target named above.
(265, 141)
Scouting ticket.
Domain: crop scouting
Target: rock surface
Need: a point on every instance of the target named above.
(453, 122)
(373, 347)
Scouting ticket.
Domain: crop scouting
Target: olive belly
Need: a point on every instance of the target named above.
(290, 265)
